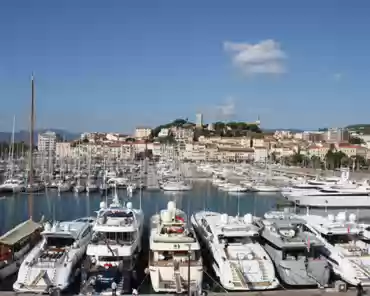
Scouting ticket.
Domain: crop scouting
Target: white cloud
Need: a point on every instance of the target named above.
(226, 110)
(265, 57)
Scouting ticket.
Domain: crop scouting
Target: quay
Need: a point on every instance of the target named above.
(308, 292)
(295, 171)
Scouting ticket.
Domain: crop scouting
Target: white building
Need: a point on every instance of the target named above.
(164, 132)
(199, 120)
(63, 149)
(142, 132)
(47, 142)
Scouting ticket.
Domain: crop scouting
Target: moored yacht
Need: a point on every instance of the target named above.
(330, 197)
(176, 186)
(55, 261)
(174, 253)
(15, 244)
(12, 186)
(238, 259)
(114, 249)
(296, 252)
(347, 245)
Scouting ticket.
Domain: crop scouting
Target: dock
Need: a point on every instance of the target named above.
(311, 292)
(294, 171)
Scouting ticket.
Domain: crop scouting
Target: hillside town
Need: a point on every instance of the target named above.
(329, 148)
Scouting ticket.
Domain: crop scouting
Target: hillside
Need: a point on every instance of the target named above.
(360, 128)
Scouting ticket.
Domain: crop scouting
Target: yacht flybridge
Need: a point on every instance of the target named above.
(114, 249)
(55, 261)
(295, 251)
(239, 261)
(174, 253)
(347, 245)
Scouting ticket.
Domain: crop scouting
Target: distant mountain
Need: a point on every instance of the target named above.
(272, 130)
(22, 135)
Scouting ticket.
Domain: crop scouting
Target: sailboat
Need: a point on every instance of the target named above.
(11, 184)
(17, 242)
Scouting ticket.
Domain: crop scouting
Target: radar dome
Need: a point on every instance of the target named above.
(47, 226)
(250, 256)
(171, 206)
(224, 218)
(129, 205)
(102, 205)
(341, 217)
(248, 218)
(331, 217)
(352, 217)
(67, 227)
(54, 228)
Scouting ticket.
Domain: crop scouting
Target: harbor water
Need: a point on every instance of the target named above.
(69, 206)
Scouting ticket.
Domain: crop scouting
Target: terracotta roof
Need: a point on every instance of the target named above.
(235, 149)
(346, 145)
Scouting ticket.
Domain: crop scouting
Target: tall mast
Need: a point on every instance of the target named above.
(32, 126)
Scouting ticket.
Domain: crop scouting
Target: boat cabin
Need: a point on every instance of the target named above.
(15, 241)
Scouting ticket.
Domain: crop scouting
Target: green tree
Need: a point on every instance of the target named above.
(355, 141)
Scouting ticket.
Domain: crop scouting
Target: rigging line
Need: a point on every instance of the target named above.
(142, 282)
(32, 126)
(213, 280)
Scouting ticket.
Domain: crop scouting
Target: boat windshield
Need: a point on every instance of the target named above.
(301, 253)
(335, 239)
(119, 214)
(59, 242)
(115, 237)
(236, 240)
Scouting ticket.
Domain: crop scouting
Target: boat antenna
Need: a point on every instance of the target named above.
(238, 204)
(32, 127)
(141, 193)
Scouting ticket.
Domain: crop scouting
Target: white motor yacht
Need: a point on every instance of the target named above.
(239, 261)
(176, 186)
(55, 261)
(347, 245)
(330, 197)
(12, 186)
(115, 247)
(264, 188)
(175, 253)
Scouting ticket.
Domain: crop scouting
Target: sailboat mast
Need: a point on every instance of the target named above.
(32, 127)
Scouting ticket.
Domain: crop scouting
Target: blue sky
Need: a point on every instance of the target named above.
(112, 65)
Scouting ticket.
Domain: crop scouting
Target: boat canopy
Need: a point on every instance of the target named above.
(20, 232)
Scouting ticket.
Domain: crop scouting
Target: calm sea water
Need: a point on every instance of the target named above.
(68, 206)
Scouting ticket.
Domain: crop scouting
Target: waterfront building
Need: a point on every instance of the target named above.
(47, 142)
(164, 133)
(142, 132)
(337, 135)
(63, 149)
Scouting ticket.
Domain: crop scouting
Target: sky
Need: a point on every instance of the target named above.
(113, 65)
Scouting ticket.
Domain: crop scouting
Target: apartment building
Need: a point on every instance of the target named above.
(63, 149)
(142, 132)
(46, 142)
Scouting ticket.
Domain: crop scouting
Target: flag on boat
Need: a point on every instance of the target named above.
(308, 243)
(178, 218)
